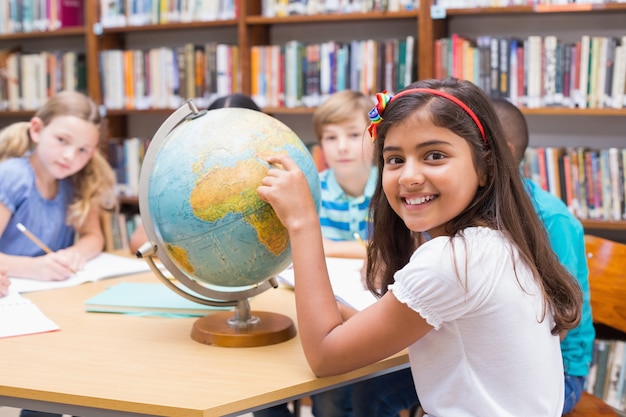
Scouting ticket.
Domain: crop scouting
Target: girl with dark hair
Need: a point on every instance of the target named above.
(462, 264)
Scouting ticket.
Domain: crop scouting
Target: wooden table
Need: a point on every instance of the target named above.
(103, 364)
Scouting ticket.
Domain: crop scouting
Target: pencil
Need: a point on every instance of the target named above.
(34, 238)
(357, 237)
(36, 241)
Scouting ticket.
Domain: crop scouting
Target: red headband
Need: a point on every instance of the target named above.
(383, 99)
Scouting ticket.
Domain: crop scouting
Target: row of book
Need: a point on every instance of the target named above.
(17, 16)
(273, 8)
(125, 157)
(540, 71)
(591, 182)
(470, 4)
(305, 74)
(166, 77)
(118, 227)
(119, 13)
(607, 373)
(27, 80)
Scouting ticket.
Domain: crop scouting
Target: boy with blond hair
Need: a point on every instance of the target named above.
(347, 184)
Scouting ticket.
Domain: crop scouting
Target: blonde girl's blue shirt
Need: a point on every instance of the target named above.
(566, 235)
(44, 218)
(342, 215)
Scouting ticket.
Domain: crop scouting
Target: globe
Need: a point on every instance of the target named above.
(202, 213)
(203, 200)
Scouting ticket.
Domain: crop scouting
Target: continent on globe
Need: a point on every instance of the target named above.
(211, 204)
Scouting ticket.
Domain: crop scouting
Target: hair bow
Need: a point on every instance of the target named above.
(375, 115)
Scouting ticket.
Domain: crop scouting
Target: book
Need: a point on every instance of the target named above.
(70, 13)
(146, 299)
(585, 56)
(619, 77)
(550, 69)
(345, 278)
(603, 348)
(20, 316)
(105, 265)
(614, 373)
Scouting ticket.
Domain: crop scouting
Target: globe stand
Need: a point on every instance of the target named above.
(242, 328)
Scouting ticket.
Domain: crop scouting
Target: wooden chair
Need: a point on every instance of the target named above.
(607, 283)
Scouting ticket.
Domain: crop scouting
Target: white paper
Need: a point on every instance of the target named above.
(345, 278)
(20, 316)
(105, 265)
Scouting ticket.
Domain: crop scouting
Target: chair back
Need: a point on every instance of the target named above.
(607, 281)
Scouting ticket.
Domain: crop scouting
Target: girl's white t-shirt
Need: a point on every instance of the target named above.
(491, 352)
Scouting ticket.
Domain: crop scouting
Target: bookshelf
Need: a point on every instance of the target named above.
(251, 28)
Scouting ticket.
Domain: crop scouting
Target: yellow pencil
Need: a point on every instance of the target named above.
(36, 240)
(358, 239)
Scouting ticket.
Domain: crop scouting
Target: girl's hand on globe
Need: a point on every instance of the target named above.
(286, 189)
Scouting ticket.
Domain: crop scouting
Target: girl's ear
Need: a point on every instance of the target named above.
(35, 128)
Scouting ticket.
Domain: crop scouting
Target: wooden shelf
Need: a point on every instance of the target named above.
(187, 26)
(539, 9)
(604, 225)
(18, 114)
(262, 20)
(130, 112)
(565, 111)
(128, 200)
(69, 31)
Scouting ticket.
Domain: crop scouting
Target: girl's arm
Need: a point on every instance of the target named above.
(50, 267)
(90, 239)
(331, 345)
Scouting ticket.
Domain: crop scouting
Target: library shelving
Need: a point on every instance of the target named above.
(247, 27)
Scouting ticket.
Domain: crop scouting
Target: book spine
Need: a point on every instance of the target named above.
(609, 64)
(585, 56)
(549, 76)
(70, 13)
(619, 77)
(504, 67)
(494, 67)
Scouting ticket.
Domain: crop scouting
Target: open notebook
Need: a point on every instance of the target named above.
(105, 265)
(345, 278)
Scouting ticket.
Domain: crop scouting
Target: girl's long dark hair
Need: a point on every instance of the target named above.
(502, 204)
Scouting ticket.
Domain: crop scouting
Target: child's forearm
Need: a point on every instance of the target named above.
(89, 245)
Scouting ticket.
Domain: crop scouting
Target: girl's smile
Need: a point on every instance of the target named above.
(419, 200)
(429, 176)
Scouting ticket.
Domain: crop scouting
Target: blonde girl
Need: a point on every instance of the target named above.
(470, 284)
(55, 182)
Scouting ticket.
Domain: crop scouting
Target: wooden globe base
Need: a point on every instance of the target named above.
(271, 329)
